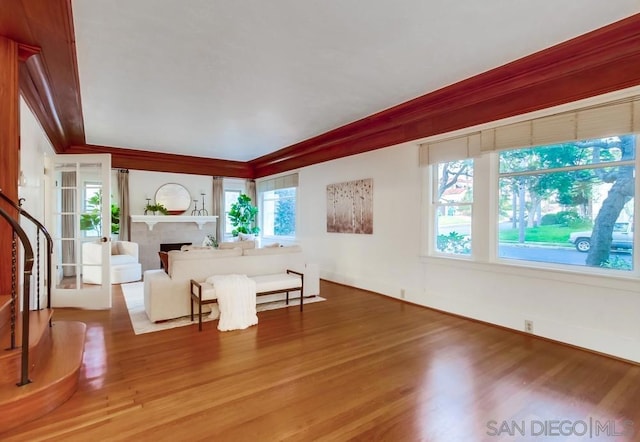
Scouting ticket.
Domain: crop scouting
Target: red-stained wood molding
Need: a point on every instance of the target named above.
(595, 63)
(598, 62)
(122, 158)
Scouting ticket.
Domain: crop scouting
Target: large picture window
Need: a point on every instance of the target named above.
(570, 203)
(556, 191)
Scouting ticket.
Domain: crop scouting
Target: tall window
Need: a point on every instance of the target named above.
(278, 206)
(230, 197)
(453, 201)
(569, 203)
(90, 220)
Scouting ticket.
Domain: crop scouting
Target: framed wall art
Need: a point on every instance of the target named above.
(350, 207)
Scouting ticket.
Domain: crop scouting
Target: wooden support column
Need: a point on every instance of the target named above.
(9, 150)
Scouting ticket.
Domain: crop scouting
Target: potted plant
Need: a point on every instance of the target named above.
(90, 221)
(243, 215)
(157, 207)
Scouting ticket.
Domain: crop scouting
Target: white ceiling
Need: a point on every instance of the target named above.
(237, 79)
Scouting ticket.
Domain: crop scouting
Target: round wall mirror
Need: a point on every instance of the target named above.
(175, 197)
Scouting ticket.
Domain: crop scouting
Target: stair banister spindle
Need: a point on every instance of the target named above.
(40, 227)
(26, 273)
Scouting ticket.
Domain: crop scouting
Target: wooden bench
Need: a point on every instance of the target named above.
(204, 293)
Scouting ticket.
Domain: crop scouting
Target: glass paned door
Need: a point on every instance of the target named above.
(81, 231)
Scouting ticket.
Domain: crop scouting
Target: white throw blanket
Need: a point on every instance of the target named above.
(237, 301)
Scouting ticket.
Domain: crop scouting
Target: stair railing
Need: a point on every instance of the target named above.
(41, 230)
(19, 234)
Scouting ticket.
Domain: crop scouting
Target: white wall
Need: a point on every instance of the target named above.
(34, 148)
(387, 261)
(595, 312)
(143, 185)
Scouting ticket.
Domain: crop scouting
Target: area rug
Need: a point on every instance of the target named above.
(134, 298)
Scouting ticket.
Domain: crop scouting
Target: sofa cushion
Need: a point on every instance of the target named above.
(186, 248)
(237, 245)
(272, 251)
(264, 283)
(122, 259)
(185, 255)
(277, 281)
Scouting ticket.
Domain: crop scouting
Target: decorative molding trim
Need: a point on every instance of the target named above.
(595, 63)
(36, 90)
(26, 51)
(152, 220)
(51, 84)
(164, 162)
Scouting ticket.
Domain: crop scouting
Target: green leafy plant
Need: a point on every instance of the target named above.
(243, 215)
(90, 220)
(454, 242)
(157, 207)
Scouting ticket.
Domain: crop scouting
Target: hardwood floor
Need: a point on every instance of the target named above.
(358, 366)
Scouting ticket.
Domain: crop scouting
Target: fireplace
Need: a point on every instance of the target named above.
(166, 236)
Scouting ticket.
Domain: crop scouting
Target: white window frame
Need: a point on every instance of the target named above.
(286, 181)
(485, 213)
(557, 266)
(437, 204)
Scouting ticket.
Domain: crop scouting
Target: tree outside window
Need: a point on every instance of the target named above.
(569, 203)
(453, 207)
(279, 212)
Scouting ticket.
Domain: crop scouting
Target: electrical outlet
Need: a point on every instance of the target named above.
(402, 293)
(528, 326)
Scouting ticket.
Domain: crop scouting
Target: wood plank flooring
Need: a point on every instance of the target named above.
(359, 366)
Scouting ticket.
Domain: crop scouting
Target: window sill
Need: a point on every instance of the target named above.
(627, 281)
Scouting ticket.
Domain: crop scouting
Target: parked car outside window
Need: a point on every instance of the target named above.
(622, 237)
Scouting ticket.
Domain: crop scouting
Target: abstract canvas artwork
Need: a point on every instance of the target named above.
(350, 207)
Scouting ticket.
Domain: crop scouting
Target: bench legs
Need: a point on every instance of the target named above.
(197, 297)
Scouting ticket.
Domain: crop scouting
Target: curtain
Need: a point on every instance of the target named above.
(123, 203)
(613, 118)
(251, 191)
(68, 182)
(281, 182)
(218, 209)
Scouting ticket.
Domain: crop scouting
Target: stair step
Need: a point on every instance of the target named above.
(39, 342)
(53, 380)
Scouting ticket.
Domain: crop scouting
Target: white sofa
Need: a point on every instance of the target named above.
(167, 294)
(125, 266)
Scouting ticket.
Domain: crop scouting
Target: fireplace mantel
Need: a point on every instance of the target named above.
(152, 220)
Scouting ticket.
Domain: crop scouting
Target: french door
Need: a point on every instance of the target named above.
(80, 206)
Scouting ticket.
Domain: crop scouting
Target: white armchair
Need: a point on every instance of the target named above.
(125, 266)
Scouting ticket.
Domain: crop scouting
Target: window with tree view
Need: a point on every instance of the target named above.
(279, 212)
(277, 197)
(569, 203)
(453, 206)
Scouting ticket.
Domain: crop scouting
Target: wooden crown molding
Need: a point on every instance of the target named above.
(49, 80)
(26, 51)
(164, 162)
(600, 61)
